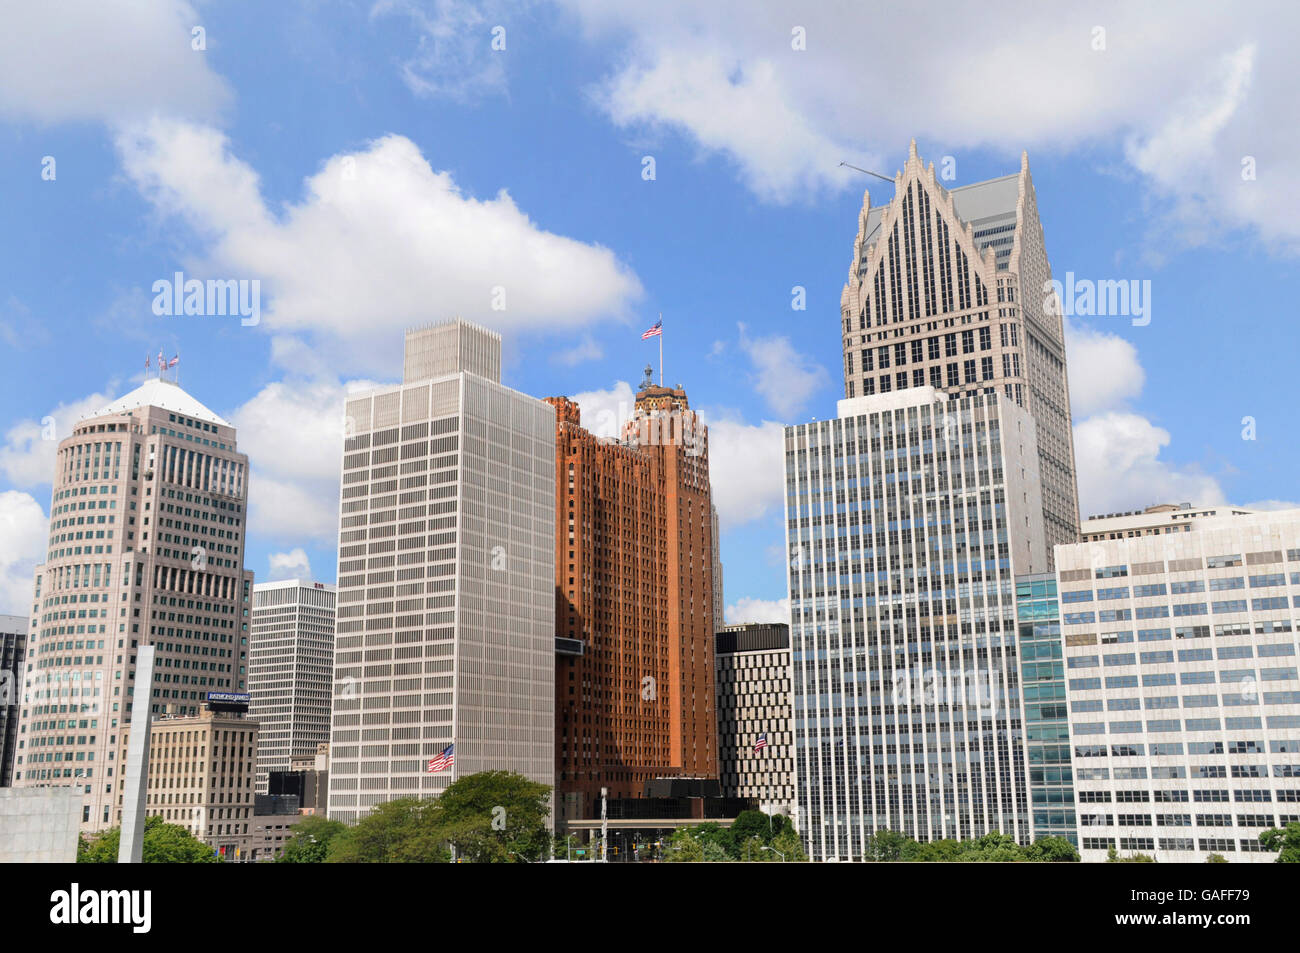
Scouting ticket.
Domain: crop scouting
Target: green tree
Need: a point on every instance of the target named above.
(495, 817)
(1052, 850)
(787, 842)
(394, 832)
(682, 847)
(713, 852)
(886, 845)
(1215, 859)
(163, 844)
(311, 840)
(1284, 840)
(1113, 857)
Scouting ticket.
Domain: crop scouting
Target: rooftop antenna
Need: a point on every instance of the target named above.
(867, 172)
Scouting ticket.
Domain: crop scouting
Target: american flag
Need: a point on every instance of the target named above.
(761, 743)
(174, 361)
(444, 760)
(655, 331)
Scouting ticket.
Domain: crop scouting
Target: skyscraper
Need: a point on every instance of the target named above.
(446, 591)
(634, 577)
(290, 670)
(147, 535)
(908, 518)
(947, 289)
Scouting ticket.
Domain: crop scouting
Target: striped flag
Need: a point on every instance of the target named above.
(761, 743)
(174, 361)
(445, 759)
(654, 332)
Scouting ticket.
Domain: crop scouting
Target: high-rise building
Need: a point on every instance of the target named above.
(290, 670)
(201, 771)
(1180, 654)
(947, 289)
(13, 652)
(755, 733)
(1046, 720)
(634, 559)
(147, 536)
(446, 580)
(908, 518)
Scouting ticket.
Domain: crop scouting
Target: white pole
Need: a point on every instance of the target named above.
(661, 349)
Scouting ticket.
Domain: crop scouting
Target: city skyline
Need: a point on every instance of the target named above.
(222, 175)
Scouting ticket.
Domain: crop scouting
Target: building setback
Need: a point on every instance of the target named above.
(147, 531)
(13, 651)
(290, 670)
(1180, 659)
(634, 580)
(908, 518)
(755, 734)
(947, 288)
(446, 591)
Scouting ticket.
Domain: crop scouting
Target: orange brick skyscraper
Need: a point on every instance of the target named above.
(634, 586)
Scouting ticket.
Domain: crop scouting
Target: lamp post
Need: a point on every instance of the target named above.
(775, 851)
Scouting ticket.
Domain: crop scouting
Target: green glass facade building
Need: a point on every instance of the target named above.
(1047, 729)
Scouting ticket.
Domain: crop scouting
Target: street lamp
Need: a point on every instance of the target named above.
(775, 851)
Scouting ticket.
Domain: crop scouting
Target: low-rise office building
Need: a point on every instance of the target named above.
(1180, 662)
(755, 736)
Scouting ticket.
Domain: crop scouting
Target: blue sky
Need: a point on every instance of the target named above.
(379, 165)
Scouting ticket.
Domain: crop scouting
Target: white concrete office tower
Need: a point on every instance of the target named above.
(908, 518)
(290, 670)
(146, 547)
(1180, 653)
(946, 288)
(446, 591)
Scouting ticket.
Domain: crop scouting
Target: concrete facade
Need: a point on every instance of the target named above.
(40, 825)
(146, 547)
(13, 657)
(1181, 666)
(446, 578)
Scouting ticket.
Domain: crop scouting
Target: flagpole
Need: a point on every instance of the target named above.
(661, 349)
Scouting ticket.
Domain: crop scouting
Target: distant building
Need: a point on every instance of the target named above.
(1181, 677)
(446, 578)
(201, 771)
(755, 728)
(634, 560)
(290, 670)
(146, 546)
(13, 651)
(306, 781)
(719, 603)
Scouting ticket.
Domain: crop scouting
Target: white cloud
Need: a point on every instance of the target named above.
(746, 609)
(454, 57)
(1103, 368)
(291, 565)
(24, 530)
(746, 468)
(292, 431)
(1212, 81)
(27, 455)
(587, 349)
(379, 242)
(603, 412)
(80, 60)
(786, 379)
(1118, 459)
